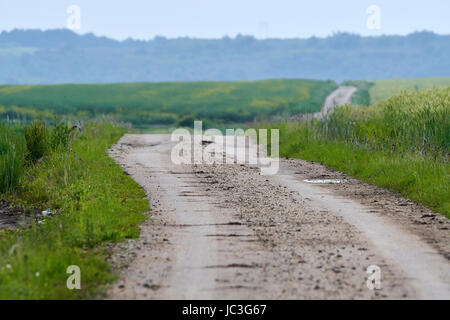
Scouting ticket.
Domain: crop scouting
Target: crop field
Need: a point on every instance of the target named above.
(402, 144)
(383, 89)
(374, 91)
(144, 104)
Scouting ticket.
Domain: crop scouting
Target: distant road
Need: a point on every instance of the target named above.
(339, 97)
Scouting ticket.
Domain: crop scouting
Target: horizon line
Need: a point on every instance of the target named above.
(156, 37)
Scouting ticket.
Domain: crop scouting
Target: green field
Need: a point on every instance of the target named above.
(374, 91)
(144, 104)
(402, 144)
(384, 89)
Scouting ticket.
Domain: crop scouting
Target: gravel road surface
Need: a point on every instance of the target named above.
(225, 231)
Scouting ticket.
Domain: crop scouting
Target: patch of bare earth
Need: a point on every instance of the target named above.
(13, 216)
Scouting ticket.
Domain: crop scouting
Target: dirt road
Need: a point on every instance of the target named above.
(339, 97)
(228, 232)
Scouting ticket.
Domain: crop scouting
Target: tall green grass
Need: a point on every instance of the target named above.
(409, 122)
(21, 144)
(402, 144)
(36, 137)
(12, 158)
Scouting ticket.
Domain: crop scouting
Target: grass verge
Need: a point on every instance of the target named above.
(95, 203)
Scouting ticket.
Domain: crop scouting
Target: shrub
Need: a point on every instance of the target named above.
(12, 159)
(60, 135)
(36, 136)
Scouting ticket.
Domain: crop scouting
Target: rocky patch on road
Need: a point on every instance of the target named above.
(319, 255)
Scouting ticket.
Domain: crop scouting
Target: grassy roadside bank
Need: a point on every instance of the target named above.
(401, 144)
(94, 203)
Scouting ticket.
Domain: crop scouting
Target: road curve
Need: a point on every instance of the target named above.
(339, 97)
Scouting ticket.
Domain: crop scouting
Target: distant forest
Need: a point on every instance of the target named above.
(62, 56)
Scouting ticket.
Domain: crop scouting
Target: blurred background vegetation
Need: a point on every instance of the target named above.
(61, 56)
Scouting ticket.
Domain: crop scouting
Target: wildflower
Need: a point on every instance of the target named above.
(37, 274)
(8, 266)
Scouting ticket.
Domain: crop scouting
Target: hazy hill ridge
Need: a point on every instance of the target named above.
(61, 56)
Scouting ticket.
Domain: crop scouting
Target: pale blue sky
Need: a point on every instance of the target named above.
(143, 19)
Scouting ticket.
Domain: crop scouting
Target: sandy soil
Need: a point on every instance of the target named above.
(228, 232)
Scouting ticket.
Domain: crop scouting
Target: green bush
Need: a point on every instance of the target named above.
(12, 159)
(60, 135)
(410, 122)
(36, 136)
